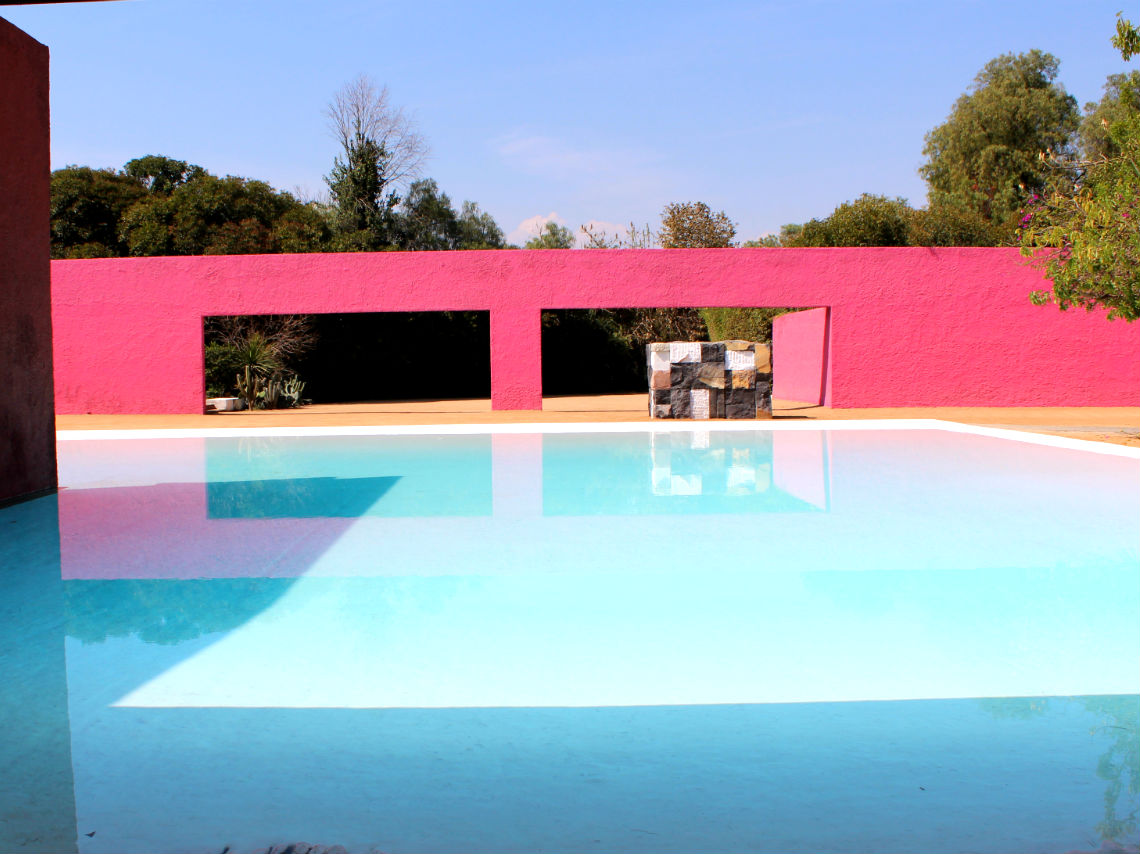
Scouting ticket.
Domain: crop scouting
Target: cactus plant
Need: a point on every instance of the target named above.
(249, 387)
(271, 394)
(292, 389)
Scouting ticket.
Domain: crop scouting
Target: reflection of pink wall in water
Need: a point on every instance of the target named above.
(156, 524)
(799, 344)
(904, 466)
(799, 465)
(909, 326)
(516, 474)
(163, 531)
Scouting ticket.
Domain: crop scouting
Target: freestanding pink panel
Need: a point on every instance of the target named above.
(799, 356)
(908, 327)
(27, 419)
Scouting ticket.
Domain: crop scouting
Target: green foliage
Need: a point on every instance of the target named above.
(790, 232)
(160, 175)
(1087, 241)
(1121, 101)
(880, 221)
(478, 229)
(765, 241)
(220, 216)
(868, 221)
(743, 324)
(1127, 38)
(985, 157)
(427, 221)
(364, 206)
(222, 364)
(943, 224)
(161, 206)
(692, 225)
(247, 355)
(86, 205)
(788, 236)
(552, 236)
(1083, 235)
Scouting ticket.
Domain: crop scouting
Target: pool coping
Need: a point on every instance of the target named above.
(605, 427)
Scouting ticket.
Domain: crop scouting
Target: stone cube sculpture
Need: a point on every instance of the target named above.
(709, 379)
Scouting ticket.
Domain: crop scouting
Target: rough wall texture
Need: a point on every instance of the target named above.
(709, 379)
(799, 354)
(908, 327)
(27, 426)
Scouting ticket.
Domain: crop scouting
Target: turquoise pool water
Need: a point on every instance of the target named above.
(757, 640)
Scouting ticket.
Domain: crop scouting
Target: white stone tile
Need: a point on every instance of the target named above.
(684, 351)
(739, 360)
(699, 403)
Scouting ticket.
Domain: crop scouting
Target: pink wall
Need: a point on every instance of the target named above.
(27, 426)
(909, 327)
(799, 356)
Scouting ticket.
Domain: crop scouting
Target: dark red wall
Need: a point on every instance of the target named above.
(27, 421)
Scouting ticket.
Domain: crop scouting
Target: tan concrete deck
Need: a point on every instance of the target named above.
(1120, 425)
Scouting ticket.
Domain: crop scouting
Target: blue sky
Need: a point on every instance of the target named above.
(774, 112)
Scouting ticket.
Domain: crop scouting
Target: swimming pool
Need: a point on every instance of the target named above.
(543, 638)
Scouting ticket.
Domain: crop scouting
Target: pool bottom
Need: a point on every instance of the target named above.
(984, 775)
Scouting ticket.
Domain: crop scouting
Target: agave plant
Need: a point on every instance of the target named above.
(257, 359)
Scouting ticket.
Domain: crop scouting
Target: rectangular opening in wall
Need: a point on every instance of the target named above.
(348, 358)
(602, 351)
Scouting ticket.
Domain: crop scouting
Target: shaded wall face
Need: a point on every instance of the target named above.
(27, 426)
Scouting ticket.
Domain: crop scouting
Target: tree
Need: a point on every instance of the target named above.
(1084, 235)
(867, 221)
(478, 229)
(161, 175)
(552, 236)
(427, 221)
(364, 209)
(789, 234)
(951, 225)
(880, 221)
(380, 152)
(985, 156)
(1127, 38)
(86, 206)
(1121, 99)
(692, 225)
(361, 111)
(764, 241)
(208, 215)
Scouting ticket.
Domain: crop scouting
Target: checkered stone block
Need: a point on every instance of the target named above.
(709, 379)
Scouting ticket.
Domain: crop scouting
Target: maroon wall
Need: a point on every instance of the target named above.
(27, 420)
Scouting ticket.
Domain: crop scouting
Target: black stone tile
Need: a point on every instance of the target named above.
(712, 351)
(681, 403)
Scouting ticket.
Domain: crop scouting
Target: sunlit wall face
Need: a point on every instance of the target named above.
(698, 640)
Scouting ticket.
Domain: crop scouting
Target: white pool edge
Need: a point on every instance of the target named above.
(607, 427)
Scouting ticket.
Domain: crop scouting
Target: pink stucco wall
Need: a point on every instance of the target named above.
(27, 426)
(908, 327)
(799, 356)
